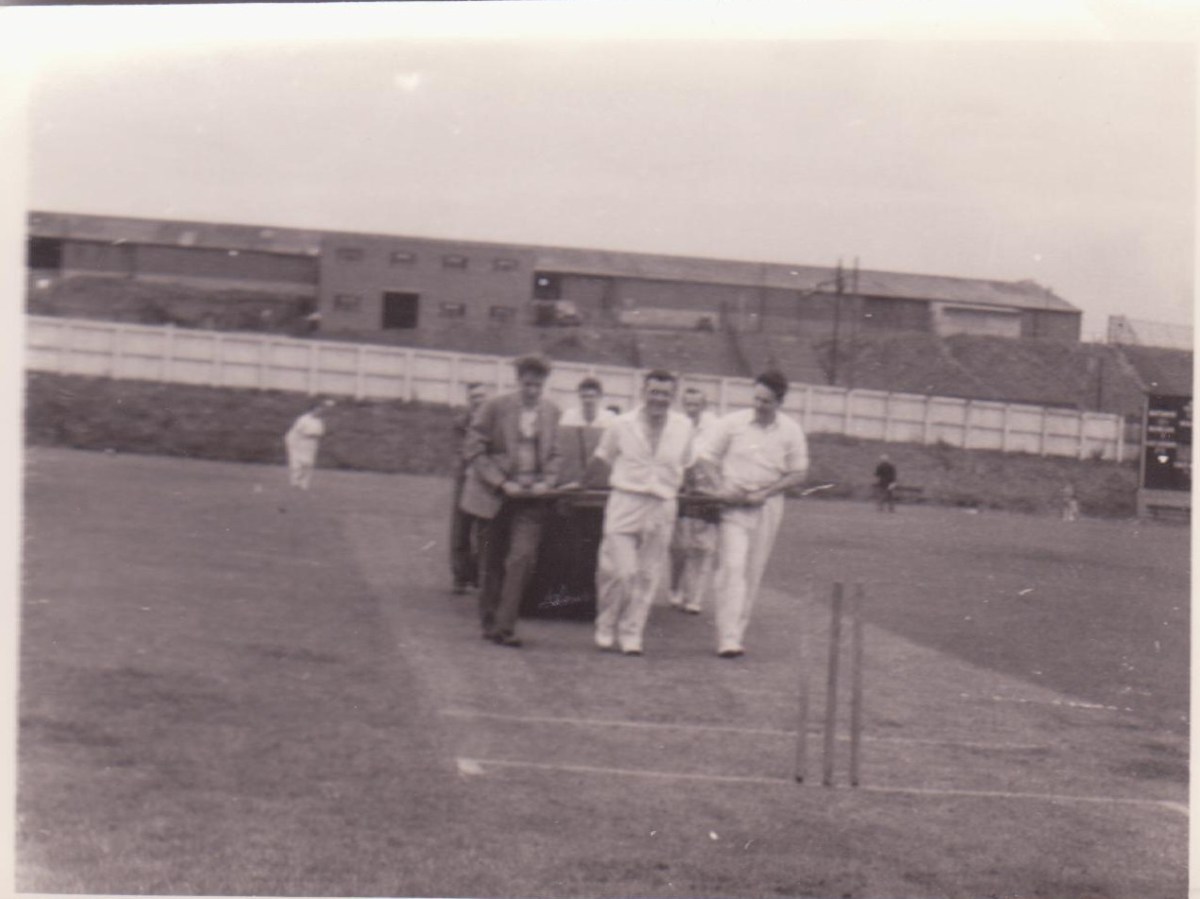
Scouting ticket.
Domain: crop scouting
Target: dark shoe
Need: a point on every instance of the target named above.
(731, 653)
(511, 640)
(632, 651)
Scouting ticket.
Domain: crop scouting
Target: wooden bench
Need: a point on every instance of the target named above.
(1170, 513)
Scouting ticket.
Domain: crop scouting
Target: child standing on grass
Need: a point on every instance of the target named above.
(301, 442)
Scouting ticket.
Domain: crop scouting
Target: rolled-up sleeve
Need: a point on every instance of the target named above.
(607, 448)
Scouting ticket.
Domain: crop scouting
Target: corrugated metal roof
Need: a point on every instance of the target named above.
(604, 263)
(210, 235)
(899, 285)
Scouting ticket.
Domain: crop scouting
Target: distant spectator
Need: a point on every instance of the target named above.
(301, 442)
(464, 536)
(885, 484)
(1070, 503)
(589, 413)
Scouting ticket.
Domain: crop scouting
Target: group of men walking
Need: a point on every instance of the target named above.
(732, 471)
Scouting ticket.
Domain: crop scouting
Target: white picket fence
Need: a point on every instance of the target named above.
(264, 362)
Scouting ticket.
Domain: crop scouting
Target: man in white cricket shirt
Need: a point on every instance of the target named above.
(301, 442)
(755, 454)
(646, 451)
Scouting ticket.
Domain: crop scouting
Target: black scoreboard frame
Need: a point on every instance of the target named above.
(1165, 472)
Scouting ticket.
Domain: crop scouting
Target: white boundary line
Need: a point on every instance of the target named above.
(1078, 705)
(719, 728)
(1168, 804)
(477, 766)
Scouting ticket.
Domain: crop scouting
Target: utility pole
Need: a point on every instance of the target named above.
(840, 288)
(855, 314)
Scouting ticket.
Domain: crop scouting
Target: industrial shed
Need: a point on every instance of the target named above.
(369, 283)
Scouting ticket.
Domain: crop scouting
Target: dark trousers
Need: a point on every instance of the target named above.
(508, 550)
(464, 544)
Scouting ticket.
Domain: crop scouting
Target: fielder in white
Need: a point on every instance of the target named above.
(646, 451)
(301, 442)
(694, 544)
(755, 455)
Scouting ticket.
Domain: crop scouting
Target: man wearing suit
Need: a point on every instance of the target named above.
(512, 458)
(464, 541)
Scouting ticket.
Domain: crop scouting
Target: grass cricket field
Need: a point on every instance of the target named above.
(227, 687)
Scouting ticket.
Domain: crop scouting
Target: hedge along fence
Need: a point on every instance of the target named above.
(362, 371)
(247, 425)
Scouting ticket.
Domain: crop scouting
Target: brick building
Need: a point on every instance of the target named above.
(372, 283)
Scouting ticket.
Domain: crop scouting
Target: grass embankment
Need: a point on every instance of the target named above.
(393, 436)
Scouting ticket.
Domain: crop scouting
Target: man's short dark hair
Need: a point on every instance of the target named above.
(532, 365)
(660, 374)
(775, 382)
(589, 384)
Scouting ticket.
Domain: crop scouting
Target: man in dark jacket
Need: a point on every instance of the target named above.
(885, 484)
(512, 459)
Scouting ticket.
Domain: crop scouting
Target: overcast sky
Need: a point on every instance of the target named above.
(1068, 162)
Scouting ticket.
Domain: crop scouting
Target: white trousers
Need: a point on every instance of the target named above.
(300, 472)
(747, 536)
(631, 567)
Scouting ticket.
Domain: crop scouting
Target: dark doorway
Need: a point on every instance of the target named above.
(44, 253)
(400, 309)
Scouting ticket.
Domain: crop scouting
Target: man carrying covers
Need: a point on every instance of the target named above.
(512, 458)
(755, 454)
(646, 450)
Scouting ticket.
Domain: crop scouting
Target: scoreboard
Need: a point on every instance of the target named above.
(1167, 443)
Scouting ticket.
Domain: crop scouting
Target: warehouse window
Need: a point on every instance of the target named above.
(504, 265)
(501, 313)
(452, 310)
(547, 286)
(403, 257)
(454, 260)
(347, 302)
(350, 254)
(400, 310)
(44, 253)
